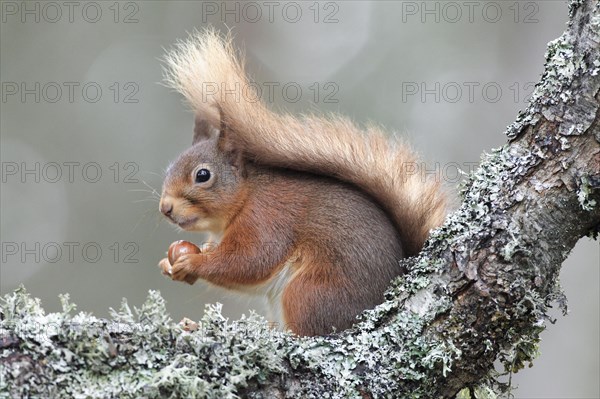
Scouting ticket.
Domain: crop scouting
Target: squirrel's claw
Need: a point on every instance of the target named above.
(165, 267)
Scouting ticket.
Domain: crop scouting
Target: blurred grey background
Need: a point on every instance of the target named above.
(87, 130)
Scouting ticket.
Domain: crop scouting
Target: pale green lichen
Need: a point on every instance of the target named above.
(584, 193)
(564, 64)
(499, 173)
(479, 392)
(155, 358)
(573, 7)
(481, 215)
(80, 358)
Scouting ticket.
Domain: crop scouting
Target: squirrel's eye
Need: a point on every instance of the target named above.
(202, 176)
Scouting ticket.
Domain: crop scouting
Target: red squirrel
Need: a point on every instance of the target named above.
(309, 211)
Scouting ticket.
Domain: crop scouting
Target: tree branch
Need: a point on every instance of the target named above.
(478, 292)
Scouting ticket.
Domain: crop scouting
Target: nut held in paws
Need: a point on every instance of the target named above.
(179, 248)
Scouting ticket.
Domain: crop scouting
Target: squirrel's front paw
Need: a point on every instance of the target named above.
(184, 269)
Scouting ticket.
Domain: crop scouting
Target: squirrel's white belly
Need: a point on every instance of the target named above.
(272, 291)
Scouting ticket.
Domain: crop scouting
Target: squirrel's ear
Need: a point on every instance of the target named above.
(224, 143)
(230, 150)
(203, 130)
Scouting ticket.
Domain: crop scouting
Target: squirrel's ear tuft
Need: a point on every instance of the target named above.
(203, 130)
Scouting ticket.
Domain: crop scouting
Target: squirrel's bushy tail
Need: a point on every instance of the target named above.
(205, 69)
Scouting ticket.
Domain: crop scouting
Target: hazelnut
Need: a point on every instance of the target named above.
(179, 248)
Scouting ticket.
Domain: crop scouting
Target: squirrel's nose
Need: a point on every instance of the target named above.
(166, 207)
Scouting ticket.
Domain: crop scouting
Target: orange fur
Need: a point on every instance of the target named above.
(311, 211)
(383, 167)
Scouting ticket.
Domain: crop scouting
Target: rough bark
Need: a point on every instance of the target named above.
(477, 293)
